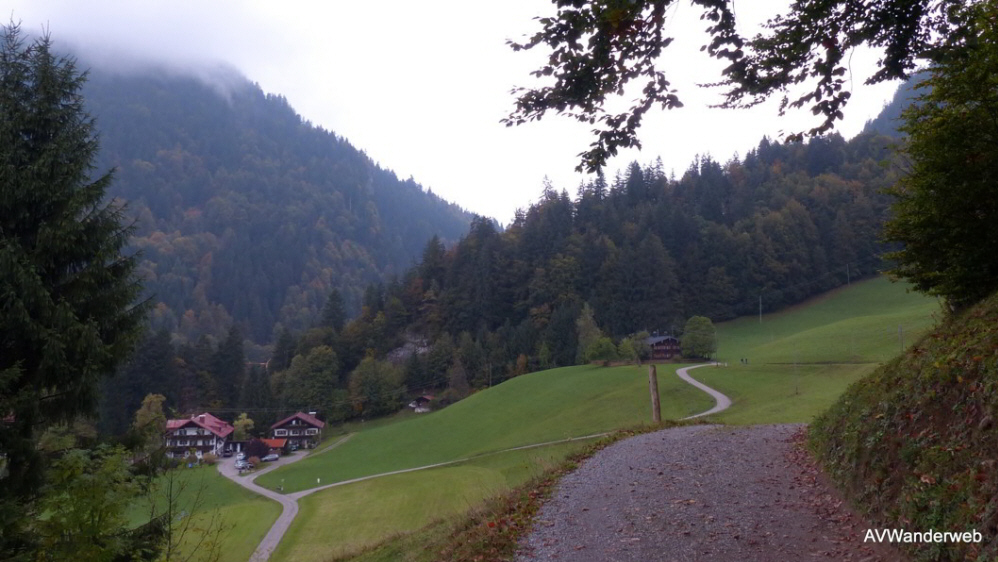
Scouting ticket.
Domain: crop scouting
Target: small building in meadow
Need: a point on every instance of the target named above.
(301, 430)
(421, 404)
(664, 347)
(200, 434)
(276, 446)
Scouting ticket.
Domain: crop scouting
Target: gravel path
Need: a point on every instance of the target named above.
(699, 493)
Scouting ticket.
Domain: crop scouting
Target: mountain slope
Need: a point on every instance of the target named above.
(245, 212)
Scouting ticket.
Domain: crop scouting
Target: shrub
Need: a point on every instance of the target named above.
(253, 460)
(209, 459)
(257, 448)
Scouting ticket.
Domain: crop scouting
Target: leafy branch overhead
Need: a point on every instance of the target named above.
(597, 48)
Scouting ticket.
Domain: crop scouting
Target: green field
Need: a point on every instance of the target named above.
(800, 361)
(372, 511)
(245, 516)
(802, 358)
(534, 408)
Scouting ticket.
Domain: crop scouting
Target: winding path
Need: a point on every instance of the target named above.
(723, 402)
(289, 502)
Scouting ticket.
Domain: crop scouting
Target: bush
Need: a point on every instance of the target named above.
(602, 350)
(209, 459)
(253, 460)
(257, 448)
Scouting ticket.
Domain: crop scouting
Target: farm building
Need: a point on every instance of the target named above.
(663, 347)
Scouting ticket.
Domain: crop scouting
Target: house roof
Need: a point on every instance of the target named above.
(207, 421)
(307, 418)
(659, 339)
(275, 443)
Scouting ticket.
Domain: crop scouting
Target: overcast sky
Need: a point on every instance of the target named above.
(420, 85)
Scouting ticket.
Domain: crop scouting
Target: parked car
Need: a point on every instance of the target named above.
(227, 453)
(243, 465)
(241, 457)
(271, 457)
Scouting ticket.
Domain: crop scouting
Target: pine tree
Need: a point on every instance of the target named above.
(230, 368)
(67, 294)
(333, 313)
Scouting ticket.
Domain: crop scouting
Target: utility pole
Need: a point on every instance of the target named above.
(848, 276)
(656, 407)
(760, 308)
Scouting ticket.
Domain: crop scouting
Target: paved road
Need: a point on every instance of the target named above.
(289, 503)
(723, 402)
(289, 506)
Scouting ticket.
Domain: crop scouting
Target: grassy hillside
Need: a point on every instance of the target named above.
(802, 358)
(370, 512)
(535, 408)
(836, 339)
(245, 516)
(915, 444)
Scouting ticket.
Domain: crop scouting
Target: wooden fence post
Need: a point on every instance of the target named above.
(656, 407)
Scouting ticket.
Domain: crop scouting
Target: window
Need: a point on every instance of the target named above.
(311, 431)
(280, 432)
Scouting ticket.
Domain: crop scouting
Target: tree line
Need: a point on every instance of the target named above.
(571, 280)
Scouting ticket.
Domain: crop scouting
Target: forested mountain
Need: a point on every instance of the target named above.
(646, 251)
(887, 122)
(245, 213)
(641, 252)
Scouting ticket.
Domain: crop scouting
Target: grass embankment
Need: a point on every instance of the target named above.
(367, 513)
(490, 531)
(534, 408)
(244, 516)
(802, 358)
(915, 445)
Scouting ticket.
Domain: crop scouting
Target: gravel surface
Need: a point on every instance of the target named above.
(699, 493)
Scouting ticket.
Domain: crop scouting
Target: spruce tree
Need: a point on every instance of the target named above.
(334, 313)
(68, 312)
(230, 368)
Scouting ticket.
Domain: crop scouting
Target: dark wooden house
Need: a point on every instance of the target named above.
(664, 347)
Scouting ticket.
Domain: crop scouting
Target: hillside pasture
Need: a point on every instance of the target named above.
(205, 494)
(801, 359)
(536, 408)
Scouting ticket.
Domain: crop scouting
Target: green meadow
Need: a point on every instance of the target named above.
(535, 408)
(799, 361)
(369, 512)
(245, 517)
(802, 358)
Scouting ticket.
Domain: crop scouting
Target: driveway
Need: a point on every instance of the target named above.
(289, 506)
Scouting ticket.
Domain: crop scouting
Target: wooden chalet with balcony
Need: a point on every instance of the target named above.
(303, 431)
(664, 347)
(200, 434)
